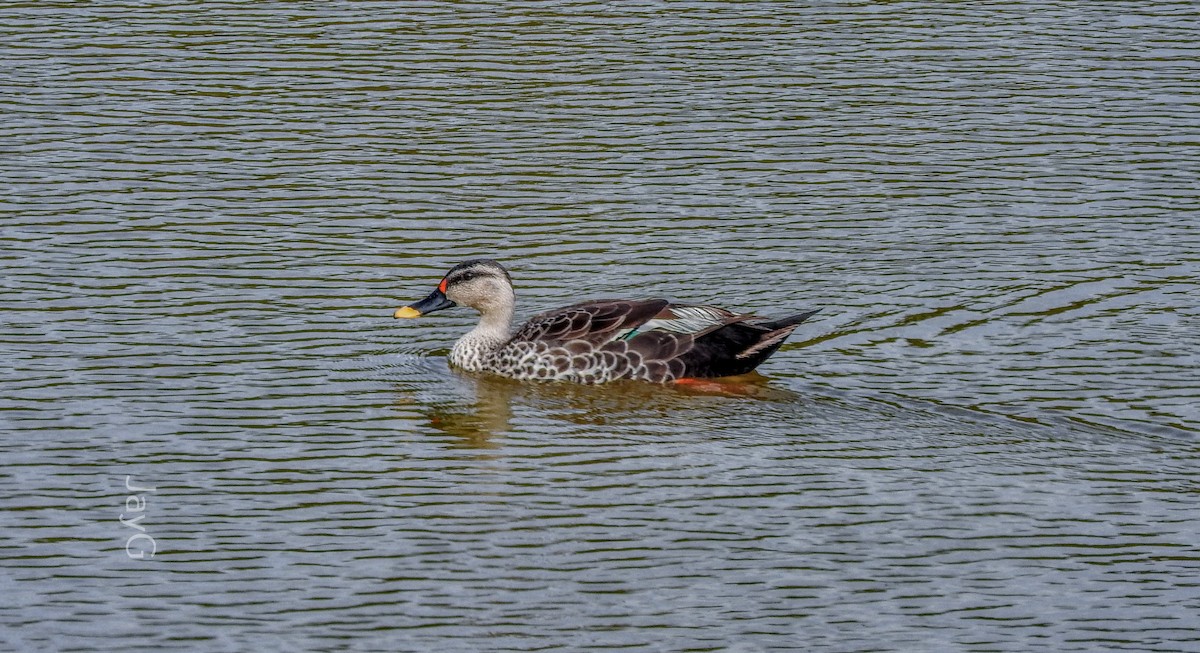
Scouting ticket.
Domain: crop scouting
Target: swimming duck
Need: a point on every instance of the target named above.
(601, 340)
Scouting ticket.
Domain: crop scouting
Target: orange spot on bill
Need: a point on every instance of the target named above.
(442, 286)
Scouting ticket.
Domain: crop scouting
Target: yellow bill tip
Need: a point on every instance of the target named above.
(407, 311)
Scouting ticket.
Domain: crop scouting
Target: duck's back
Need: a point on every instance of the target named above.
(649, 339)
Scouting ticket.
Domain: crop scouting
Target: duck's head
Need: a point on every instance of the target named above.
(481, 284)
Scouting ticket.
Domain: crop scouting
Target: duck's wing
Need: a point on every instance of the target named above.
(595, 322)
(653, 339)
(685, 319)
(644, 320)
(666, 343)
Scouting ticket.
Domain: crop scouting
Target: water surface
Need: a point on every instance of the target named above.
(987, 441)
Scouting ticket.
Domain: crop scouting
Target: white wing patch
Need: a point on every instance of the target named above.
(687, 319)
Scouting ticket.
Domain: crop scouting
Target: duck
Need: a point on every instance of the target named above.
(599, 341)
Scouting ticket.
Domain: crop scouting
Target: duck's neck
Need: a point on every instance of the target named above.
(472, 350)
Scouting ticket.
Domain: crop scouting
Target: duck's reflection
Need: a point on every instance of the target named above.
(484, 407)
(477, 420)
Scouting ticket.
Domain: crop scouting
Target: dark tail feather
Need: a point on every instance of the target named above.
(779, 330)
(738, 347)
(790, 321)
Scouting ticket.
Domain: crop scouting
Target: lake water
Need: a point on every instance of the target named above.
(986, 441)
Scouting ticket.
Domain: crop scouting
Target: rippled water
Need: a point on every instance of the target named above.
(986, 441)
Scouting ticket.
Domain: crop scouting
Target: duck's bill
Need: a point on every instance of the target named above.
(436, 301)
